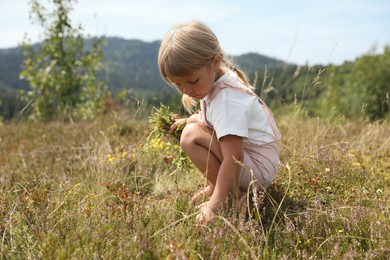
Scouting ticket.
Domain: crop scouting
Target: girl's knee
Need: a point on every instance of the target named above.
(189, 135)
(195, 135)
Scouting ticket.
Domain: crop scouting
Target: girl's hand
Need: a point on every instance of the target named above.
(204, 192)
(191, 119)
(205, 215)
(176, 124)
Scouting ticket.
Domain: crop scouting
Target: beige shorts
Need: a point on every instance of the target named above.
(260, 165)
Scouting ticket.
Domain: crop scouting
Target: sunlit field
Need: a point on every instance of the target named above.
(107, 189)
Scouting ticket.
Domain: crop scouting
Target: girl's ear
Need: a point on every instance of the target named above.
(217, 61)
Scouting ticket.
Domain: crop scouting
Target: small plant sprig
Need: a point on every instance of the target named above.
(162, 119)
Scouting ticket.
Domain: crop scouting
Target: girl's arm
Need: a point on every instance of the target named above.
(232, 150)
(193, 118)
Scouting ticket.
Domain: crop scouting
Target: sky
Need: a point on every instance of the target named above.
(296, 31)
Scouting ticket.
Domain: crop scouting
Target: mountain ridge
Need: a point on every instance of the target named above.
(127, 64)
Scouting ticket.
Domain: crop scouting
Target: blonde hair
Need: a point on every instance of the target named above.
(187, 48)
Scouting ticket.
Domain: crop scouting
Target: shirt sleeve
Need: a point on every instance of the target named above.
(230, 118)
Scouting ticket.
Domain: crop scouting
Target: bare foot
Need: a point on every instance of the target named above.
(204, 192)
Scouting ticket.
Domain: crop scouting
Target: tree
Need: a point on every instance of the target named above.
(375, 81)
(61, 71)
(362, 88)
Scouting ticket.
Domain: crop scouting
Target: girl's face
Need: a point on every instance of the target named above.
(200, 82)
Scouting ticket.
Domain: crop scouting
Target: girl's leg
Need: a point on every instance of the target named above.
(201, 145)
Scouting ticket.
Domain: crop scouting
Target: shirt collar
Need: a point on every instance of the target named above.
(221, 83)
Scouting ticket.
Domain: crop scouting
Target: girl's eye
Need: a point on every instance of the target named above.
(194, 82)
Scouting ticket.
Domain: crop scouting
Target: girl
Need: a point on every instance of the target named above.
(233, 140)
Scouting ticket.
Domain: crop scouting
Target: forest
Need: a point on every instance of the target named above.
(357, 89)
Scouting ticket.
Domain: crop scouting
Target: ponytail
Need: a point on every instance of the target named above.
(241, 74)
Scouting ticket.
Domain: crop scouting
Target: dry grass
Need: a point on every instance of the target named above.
(100, 190)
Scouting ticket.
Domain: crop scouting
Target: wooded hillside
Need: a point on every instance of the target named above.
(131, 65)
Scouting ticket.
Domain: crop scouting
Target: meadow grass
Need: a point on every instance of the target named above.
(104, 190)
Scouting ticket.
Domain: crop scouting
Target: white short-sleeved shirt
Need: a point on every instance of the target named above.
(234, 112)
